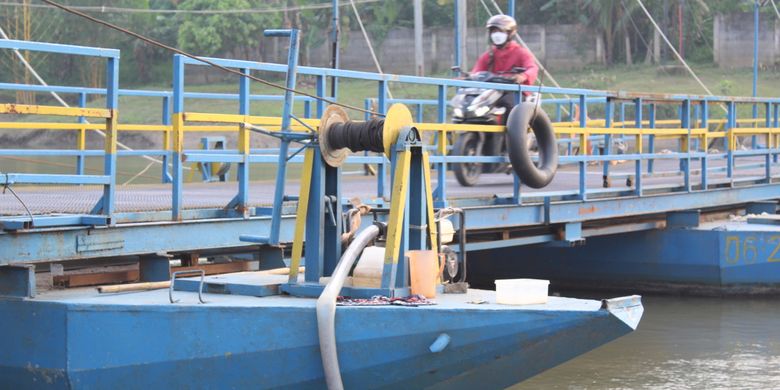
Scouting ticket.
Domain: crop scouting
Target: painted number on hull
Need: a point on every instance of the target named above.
(747, 251)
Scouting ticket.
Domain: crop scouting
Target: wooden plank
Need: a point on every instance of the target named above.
(218, 268)
(92, 279)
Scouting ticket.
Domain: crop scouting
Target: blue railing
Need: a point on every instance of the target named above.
(631, 118)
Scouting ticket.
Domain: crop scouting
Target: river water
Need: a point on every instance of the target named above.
(682, 343)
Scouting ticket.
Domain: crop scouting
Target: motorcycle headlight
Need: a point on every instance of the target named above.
(481, 111)
(457, 112)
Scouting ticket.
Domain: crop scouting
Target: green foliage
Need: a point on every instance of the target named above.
(210, 34)
(240, 35)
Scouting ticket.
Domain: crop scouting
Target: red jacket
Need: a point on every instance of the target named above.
(506, 58)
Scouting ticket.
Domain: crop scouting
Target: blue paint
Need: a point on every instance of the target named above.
(735, 258)
(281, 172)
(243, 345)
(59, 48)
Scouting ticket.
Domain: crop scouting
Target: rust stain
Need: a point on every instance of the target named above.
(587, 210)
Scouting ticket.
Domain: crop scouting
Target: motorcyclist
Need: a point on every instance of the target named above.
(504, 55)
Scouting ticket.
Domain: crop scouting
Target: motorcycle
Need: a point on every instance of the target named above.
(480, 106)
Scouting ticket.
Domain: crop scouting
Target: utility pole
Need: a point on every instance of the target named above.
(756, 20)
(334, 36)
(419, 62)
(680, 28)
(460, 33)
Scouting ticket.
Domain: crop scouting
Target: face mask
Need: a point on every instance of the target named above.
(498, 37)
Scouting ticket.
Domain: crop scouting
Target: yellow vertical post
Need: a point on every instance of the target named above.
(640, 143)
(243, 139)
(166, 139)
(443, 143)
(397, 207)
(81, 139)
(178, 132)
(731, 139)
(301, 214)
(111, 133)
(584, 143)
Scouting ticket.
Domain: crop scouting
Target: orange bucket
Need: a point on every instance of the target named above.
(424, 272)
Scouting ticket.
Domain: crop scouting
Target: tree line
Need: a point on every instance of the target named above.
(203, 27)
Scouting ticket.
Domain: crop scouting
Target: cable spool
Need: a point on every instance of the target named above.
(339, 136)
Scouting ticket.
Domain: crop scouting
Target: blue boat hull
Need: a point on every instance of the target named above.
(712, 260)
(216, 345)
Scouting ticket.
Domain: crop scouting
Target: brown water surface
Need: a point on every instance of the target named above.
(682, 343)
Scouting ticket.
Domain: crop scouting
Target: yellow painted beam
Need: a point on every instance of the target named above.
(238, 119)
(54, 110)
(51, 126)
(134, 127)
(458, 127)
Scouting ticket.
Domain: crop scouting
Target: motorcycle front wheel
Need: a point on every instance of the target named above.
(468, 144)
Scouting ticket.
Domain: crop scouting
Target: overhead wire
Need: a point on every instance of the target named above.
(368, 42)
(59, 99)
(544, 70)
(110, 9)
(674, 50)
(204, 60)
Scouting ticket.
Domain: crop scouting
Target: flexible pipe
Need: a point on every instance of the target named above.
(326, 307)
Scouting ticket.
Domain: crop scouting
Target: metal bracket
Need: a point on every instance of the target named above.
(683, 219)
(200, 287)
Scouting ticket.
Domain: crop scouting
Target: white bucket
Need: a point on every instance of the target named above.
(521, 291)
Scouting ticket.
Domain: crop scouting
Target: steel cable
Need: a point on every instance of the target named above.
(203, 60)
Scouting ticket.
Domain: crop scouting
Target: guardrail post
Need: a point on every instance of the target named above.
(242, 199)
(320, 104)
(584, 144)
(307, 108)
(178, 136)
(776, 125)
(441, 174)
(609, 108)
(651, 138)
(768, 124)
(685, 162)
(81, 138)
(109, 160)
(281, 173)
(731, 124)
(166, 121)
(704, 124)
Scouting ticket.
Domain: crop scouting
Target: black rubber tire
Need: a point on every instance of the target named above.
(467, 145)
(523, 116)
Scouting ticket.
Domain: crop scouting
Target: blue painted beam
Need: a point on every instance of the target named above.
(39, 178)
(59, 48)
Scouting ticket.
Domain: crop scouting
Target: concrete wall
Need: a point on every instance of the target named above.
(558, 47)
(733, 40)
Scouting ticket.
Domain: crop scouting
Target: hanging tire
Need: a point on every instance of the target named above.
(523, 116)
(468, 144)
